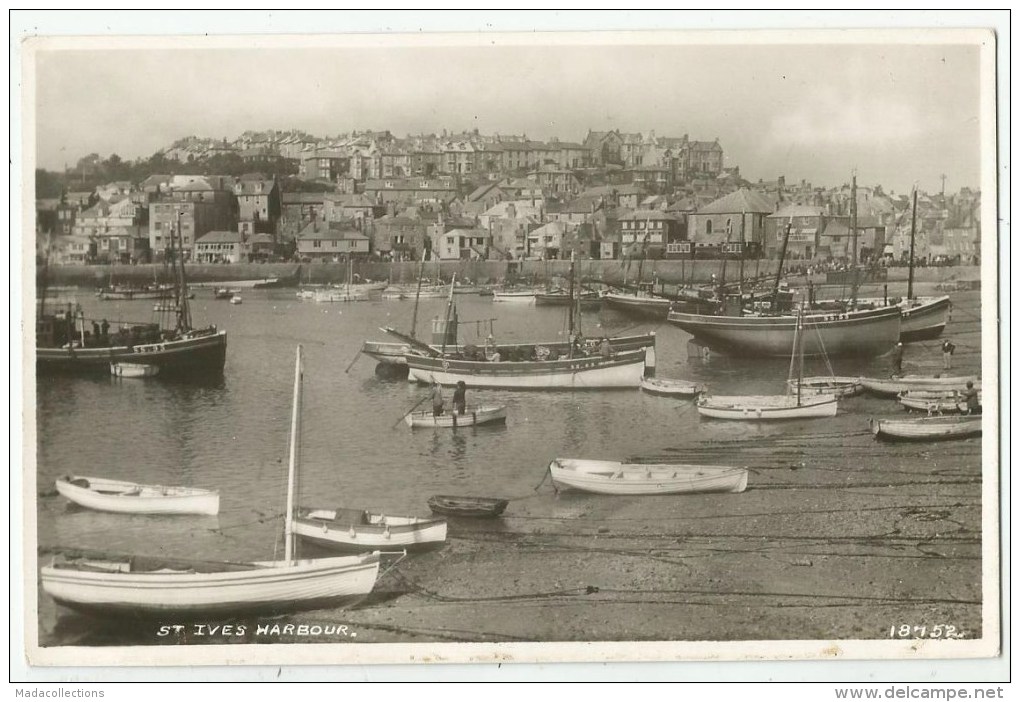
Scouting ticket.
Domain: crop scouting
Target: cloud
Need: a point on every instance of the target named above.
(829, 119)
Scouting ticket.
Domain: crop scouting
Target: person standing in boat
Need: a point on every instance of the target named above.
(948, 347)
(460, 398)
(605, 348)
(970, 397)
(897, 359)
(437, 399)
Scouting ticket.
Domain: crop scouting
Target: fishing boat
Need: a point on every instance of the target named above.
(226, 293)
(615, 478)
(589, 300)
(173, 345)
(472, 416)
(670, 387)
(840, 386)
(133, 370)
(409, 292)
(640, 305)
(108, 495)
(188, 588)
(934, 401)
(519, 297)
(903, 383)
(836, 334)
(795, 405)
(236, 300)
(472, 507)
(927, 428)
(136, 292)
(360, 530)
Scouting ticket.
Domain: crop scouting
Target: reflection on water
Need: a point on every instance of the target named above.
(232, 435)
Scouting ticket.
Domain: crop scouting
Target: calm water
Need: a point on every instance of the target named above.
(233, 435)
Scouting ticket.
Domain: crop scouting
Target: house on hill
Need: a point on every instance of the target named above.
(331, 241)
(732, 225)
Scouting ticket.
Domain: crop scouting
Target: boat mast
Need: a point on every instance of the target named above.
(449, 309)
(800, 349)
(853, 237)
(417, 294)
(570, 306)
(295, 450)
(183, 310)
(779, 269)
(913, 233)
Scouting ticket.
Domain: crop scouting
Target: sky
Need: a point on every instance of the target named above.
(896, 113)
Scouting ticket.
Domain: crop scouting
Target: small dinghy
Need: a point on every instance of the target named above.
(615, 478)
(934, 401)
(767, 407)
(670, 387)
(236, 300)
(359, 530)
(473, 416)
(122, 496)
(840, 386)
(927, 428)
(898, 384)
(474, 507)
(133, 370)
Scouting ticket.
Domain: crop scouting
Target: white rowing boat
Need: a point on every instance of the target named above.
(615, 478)
(767, 407)
(123, 496)
(359, 530)
(133, 370)
(902, 383)
(934, 401)
(472, 416)
(670, 387)
(928, 428)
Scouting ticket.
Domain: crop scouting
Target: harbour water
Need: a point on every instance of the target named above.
(882, 508)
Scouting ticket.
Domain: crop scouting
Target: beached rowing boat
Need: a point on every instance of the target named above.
(615, 478)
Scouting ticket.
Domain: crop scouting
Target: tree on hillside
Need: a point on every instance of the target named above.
(48, 184)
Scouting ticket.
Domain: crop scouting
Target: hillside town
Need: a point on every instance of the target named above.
(288, 196)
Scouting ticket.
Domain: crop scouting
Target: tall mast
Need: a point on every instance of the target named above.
(570, 302)
(800, 351)
(449, 309)
(779, 269)
(295, 452)
(913, 233)
(853, 217)
(417, 294)
(183, 310)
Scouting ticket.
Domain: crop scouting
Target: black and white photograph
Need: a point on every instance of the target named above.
(426, 347)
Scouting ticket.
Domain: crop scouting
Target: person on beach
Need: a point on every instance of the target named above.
(437, 399)
(460, 398)
(970, 397)
(948, 347)
(897, 359)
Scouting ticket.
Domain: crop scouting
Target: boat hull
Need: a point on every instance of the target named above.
(473, 416)
(514, 298)
(614, 478)
(923, 318)
(641, 307)
(934, 401)
(471, 507)
(623, 370)
(112, 496)
(767, 407)
(195, 355)
(864, 333)
(133, 370)
(587, 302)
(840, 386)
(894, 386)
(264, 588)
(927, 428)
(666, 387)
(395, 352)
(405, 533)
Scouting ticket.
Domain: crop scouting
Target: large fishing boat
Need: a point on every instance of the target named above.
(173, 345)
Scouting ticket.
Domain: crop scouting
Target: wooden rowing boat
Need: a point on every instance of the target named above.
(927, 428)
(766, 407)
(475, 507)
(472, 416)
(123, 496)
(898, 384)
(359, 530)
(934, 401)
(670, 387)
(615, 478)
(159, 587)
(840, 386)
